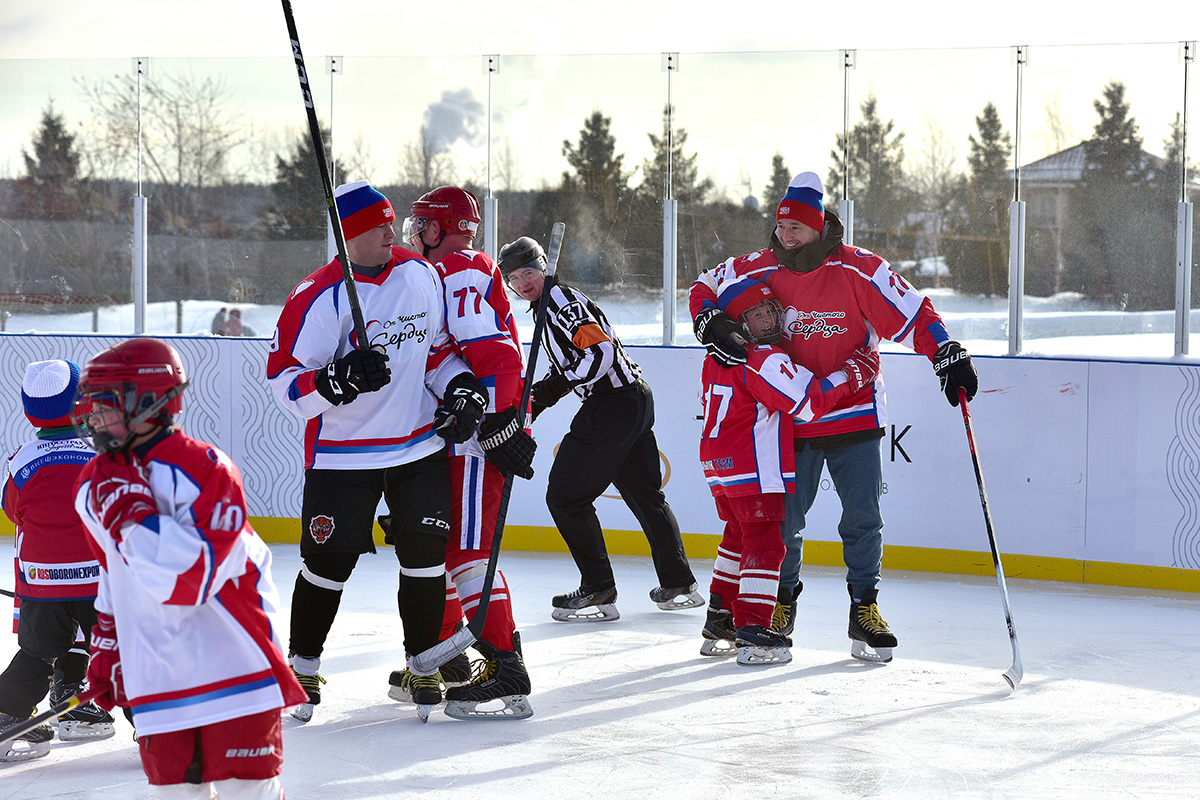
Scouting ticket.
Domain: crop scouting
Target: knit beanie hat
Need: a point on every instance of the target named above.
(361, 207)
(804, 202)
(48, 392)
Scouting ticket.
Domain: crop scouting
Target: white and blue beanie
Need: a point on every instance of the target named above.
(48, 392)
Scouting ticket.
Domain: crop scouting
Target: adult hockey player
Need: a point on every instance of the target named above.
(747, 455)
(187, 610)
(375, 429)
(56, 571)
(479, 318)
(611, 441)
(836, 299)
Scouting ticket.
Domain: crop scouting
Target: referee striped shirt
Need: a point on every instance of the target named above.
(583, 345)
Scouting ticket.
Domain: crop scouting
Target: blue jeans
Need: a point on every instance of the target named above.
(857, 472)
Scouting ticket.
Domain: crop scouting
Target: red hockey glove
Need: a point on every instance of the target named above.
(861, 368)
(104, 671)
(121, 493)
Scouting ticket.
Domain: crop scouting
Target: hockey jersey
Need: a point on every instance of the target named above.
(191, 591)
(480, 321)
(53, 560)
(583, 345)
(404, 313)
(749, 415)
(852, 299)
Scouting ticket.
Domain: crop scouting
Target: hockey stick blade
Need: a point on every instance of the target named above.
(57, 710)
(425, 662)
(1015, 672)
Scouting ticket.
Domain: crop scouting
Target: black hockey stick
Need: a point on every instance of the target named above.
(314, 130)
(1014, 673)
(7, 593)
(427, 662)
(56, 710)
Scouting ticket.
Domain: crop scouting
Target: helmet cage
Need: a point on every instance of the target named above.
(773, 331)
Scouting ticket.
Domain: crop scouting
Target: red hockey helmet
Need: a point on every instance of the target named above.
(456, 209)
(130, 383)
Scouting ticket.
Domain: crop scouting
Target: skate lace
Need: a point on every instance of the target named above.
(482, 671)
(410, 681)
(871, 620)
(780, 617)
(309, 681)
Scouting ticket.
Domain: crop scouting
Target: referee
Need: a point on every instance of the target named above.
(611, 441)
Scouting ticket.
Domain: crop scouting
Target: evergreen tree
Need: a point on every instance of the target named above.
(599, 171)
(599, 203)
(686, 187)
(51, 188)
(874, 160)
(300, 210)
(777, 185)
(979, 258)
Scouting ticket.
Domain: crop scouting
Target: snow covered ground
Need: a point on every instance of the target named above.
(1109, 707)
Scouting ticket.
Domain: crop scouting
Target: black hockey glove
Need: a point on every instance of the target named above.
(458, 416)
(507, 444)
(722, 336)
(354, 373)
(954, 369)
(550, 389)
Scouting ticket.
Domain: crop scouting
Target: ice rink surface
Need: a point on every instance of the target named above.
(1109, 706)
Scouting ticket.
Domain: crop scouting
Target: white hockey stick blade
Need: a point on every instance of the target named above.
(1014, 674)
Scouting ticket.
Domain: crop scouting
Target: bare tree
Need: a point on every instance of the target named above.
(423, 164)
(1058, 135)
(933, 179)
(506, 168)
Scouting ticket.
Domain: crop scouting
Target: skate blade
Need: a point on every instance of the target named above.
(693, 600)
(605, 612)
(863, 652)
(718, 647)
(302, 712)
(74, 731)
(763, 656)
(516, 706)
(21, 750)
(424, 710)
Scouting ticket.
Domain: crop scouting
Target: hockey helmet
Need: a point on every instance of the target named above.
(456, 209)
(524, 252)
(753, 304)
(134, 381)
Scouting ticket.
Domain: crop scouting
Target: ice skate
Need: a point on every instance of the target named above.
(84, 722)
(500, 677)
(674, 599)
(423, 691)
(758, 646)
(871, 640)
(28, 746)
(718, 634)
(581, 606)
(455, 672)
(783, 619)
(308, 672)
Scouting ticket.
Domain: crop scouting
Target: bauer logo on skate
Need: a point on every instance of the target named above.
(321, 528)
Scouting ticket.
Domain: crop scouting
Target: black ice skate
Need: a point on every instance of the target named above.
(423, 691)
(308, 672)
(84, 722)
(582, 606)
(870, 638)
(501, 677)
(758, 646)
(674, 599)
(27, 746)
(455, 672)
(718, 634)
(783, 619)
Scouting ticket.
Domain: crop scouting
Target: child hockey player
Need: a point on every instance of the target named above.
(746, 453)
(182, 577)
(56, 572)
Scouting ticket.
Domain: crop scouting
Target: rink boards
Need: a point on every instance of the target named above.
(1092, 467)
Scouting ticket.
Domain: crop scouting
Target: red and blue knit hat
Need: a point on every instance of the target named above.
(48, 392)
(739, 296)
(361, 207)
(804, 202)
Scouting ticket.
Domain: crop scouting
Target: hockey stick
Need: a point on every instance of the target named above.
(7, 593)
(57, 710)
(314, 131)
(427, 662)
(1014, 673)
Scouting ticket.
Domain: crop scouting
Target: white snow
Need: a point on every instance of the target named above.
(1109, 707)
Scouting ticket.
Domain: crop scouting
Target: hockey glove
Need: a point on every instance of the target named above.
(549, 390)
(507, 444)
(354, 373)
(104, 670)
(120, 493)
(722, 336)
(861, 368)
(459, 414)
(954, 369)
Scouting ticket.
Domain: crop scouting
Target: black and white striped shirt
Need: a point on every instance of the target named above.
(583, 346)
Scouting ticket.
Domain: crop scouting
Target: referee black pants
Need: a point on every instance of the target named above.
(611, 441)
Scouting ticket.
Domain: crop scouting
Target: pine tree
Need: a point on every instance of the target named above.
(599, 203)
(300, 210)
(599, 171)
(980, 257)
(51, 188)
(686, 187)
(874, 161)
(777, 185)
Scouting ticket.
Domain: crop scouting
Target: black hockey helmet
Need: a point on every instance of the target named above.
(524, 252)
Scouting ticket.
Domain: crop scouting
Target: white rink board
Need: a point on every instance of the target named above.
(1083, 460)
